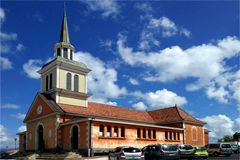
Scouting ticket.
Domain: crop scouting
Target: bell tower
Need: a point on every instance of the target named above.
(64, 79)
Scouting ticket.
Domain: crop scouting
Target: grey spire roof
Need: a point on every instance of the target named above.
(64, 37)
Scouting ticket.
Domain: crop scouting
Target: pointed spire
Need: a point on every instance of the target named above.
(64, 37)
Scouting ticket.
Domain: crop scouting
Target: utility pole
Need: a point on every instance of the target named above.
(15, 139)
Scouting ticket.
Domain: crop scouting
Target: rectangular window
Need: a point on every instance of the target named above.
(166, 135)
(108, 131)
(71, 54)
(149, 134)
(58, 52)
(122, 132)
(178, 136)
(144, 133)
(170, 135)
(115, 131)
(154, 134)
(174, 135)
(138, 133)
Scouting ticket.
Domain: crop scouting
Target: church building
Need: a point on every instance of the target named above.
(61, 117)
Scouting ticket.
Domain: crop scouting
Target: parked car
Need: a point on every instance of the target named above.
(217, 149)
(121, 153)
(161, 151)
(235, 148)
(201, 152)
(186, 151)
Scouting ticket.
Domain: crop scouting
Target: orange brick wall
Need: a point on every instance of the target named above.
(48, 123)
(130, 137)
(83, 136)
(20, 136)
(45, 109)
(190, 137)
(206, 138)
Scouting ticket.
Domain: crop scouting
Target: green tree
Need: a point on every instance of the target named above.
(226, 138)
(236, 136)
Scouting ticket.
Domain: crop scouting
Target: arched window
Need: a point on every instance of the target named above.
(144, 133)
(69, 81)
(122, 132)
(108, 131)
(154, 134)
(101, 130)
(65, 53)
(47, 83)
(194, 133)
(149, 134)
(138, 133)
(76, 82)
(50, 87)
(115, 131)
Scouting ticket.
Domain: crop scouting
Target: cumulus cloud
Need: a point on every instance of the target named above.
(140, 106)
(22, 129)
(31, 67)
(109, 8)
(159, 99)
(133, 81)
(5, 63)
(103, 79)
(2, 15)
(9, 106)
(7, 40)
(174, 63)
(5, 138)
(3, 134)
(156, 28)
(19, 116)
(145, 7)
(213, 123)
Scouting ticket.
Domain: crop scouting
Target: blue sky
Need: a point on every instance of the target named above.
(143, 55)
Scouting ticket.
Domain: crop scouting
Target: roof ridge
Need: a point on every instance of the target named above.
(161, 109)
(109, 105)
(178, 108)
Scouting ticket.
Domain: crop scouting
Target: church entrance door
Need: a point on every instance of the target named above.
(41, 143)
(75, 138)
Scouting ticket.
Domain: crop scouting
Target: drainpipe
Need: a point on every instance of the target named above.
(90, 154)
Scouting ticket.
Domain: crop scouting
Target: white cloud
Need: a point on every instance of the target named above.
(161, 99)
(22, 129)
(213, 124)
(6, 140)
(3, 134)
(9, 106)
(140, 106)
(102, 78)
(145, 7)
(204, 63)
(20, 47)
(133, 81)
(5, 63)
(237, 121)
(8, 41)
(219, 94)
(31, 68)
(19, 116)
(2, 15)
(109, 8)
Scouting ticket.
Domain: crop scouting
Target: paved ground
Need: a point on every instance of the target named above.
(232, 157)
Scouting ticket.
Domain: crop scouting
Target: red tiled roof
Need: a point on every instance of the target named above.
(108, 111)
(172, 114)
(160, 116)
